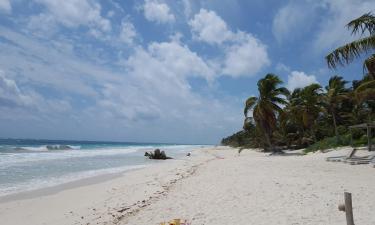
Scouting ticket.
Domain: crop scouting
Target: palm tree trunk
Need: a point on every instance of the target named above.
(370, 65)
(268, 140)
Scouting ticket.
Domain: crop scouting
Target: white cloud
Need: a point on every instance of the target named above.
(127, 32)
(55, 65)
(187, 8)
(19, 105)
(157, 12)
(10, 94)
(245, 58)
(160, 95)
(299, 79)
(179, 59)
(244, 55)
(327, 17)
(72, 14)
(293, 20)
(149, 98)
(207, 26)
(5, 6)
(332, 32)
(281, 67)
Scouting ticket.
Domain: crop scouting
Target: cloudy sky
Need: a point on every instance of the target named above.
(157, 70)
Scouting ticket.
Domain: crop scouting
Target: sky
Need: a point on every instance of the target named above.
(174, 71)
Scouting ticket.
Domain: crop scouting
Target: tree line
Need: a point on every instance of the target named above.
(314, 116)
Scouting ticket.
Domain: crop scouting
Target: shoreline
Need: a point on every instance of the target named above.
(138, 181)
(214, 186)
(82, 181)
(45, 191)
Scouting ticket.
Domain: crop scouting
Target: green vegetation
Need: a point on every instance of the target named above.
(313, 117)
(331, 142)
(267, 106)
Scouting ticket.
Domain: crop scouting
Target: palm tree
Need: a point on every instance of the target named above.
(294, 117)
(266, 107)
(308, 105)
(365, 45)
(365, 91)
(336, 93)
(364, 94)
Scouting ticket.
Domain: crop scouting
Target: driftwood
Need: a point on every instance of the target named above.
(157, 154)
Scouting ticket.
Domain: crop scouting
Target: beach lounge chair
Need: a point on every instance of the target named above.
(372, 163)
(344, 157)
(360, 160)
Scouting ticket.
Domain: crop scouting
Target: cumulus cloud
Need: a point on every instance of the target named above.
(294, 19)
(71, 14)
(157, 12)
(299, 79)
(207, 26)
(281, 67)
(178, 58)
(5, 6)
(149, 97)
(127, 32)
(21, 101)
(160, 93)
(10, 94)
(332, 32)
(244, 55)
(297, 18)
(187, 8)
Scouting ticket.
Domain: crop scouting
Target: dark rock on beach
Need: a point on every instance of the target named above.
(157, 154)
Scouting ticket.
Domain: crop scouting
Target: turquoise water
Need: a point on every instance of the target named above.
(33, 164)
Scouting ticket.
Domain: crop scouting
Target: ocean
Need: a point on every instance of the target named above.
(27, 165)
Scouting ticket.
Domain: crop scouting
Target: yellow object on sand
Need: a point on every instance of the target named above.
(176, 222)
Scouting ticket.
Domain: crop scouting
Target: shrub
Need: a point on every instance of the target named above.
(331, 142)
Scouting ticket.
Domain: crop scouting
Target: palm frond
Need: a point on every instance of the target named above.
(362, 24)
(369, 65)
(282, 91)
(250, 102)
(366, 85)
(279, 100)
(365, 91)
(347, 53)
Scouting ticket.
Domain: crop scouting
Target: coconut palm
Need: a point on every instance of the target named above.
(294, 117)
(365, 45)
(364, 96)
(308, 103)
(336, 93)
(365, 91)
(267, 105)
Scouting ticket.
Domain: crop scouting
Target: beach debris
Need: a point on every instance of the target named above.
(157, 154)
(176, 222)
(123, 209)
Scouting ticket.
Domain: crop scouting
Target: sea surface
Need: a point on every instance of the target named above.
(27, 165)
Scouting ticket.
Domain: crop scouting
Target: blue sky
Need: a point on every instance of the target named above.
(157, 70)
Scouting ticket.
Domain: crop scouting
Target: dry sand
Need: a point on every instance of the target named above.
(213, 187)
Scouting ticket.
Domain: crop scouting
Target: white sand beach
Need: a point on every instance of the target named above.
(212, 187)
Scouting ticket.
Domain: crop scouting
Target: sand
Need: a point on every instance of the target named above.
(212, 187)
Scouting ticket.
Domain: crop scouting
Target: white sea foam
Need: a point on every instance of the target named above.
(9, 159)
(35, 184)
(42, 153)
(39, 167)
(46, 148)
